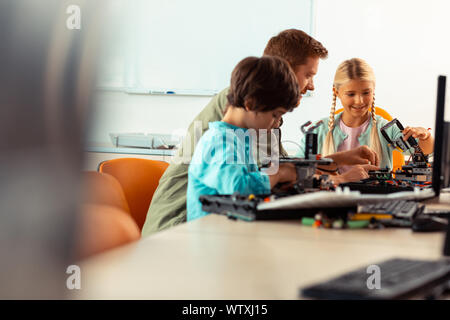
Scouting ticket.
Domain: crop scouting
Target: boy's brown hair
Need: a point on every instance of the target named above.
(264, 83)
(295, 46)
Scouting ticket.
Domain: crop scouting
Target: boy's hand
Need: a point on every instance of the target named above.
(359, 155)
(416, 132)
(287, 174)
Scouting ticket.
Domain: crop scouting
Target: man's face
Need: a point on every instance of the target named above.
(305, 74)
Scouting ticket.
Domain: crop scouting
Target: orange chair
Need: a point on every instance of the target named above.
(397, 157)
(139, 179)
(105, 220)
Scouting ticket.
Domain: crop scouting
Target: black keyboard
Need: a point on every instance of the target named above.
(399, 279)
(402, 209)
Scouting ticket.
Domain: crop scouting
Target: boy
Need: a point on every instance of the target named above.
(261, 91)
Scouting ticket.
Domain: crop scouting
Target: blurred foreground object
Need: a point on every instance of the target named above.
(47, 72)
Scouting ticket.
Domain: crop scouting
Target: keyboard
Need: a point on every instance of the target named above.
(399, 279)
(402, 209)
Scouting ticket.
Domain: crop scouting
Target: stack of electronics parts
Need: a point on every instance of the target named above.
(415, 174)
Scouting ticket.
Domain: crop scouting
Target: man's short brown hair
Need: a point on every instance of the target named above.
(264, 83)
(295, 46)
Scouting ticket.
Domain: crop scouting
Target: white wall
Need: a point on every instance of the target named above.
(406, 43)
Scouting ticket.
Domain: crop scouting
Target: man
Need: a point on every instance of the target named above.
(302, 52)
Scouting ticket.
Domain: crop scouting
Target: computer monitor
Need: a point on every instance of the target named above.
(441, 161)
(441, 169)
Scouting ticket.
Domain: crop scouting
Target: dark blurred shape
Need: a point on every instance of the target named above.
(429, 224)
(46, 77)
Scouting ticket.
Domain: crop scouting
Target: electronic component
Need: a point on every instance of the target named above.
(403, 145)
(310, 139)
(307, 180)
(414, 173)
(418, 170)
(382, 174)
(373, 186)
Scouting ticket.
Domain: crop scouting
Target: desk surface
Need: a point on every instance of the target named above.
(218, 258)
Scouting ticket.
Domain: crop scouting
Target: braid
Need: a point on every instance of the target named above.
(375, 143)
(328, 145)
(333, 110)
(373, 109)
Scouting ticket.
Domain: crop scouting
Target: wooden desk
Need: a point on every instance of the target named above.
(218, 258)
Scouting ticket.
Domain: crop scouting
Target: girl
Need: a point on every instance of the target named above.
(354, 85)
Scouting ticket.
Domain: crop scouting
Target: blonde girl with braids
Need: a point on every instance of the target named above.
(354, 86)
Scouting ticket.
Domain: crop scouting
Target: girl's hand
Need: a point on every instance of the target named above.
(359, 155)
(356, 173)
(416, 132)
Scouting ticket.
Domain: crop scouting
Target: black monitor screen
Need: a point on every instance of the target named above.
(445, 167)
(441, 139)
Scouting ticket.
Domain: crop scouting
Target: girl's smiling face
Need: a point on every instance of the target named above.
(356, 97)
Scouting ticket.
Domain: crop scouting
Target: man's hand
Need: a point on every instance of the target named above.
(356, 173)
(359, 155)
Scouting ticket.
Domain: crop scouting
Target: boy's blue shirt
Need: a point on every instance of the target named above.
(364, 139)
(223, 164)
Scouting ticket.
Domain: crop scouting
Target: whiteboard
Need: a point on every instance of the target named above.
(191, 47)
